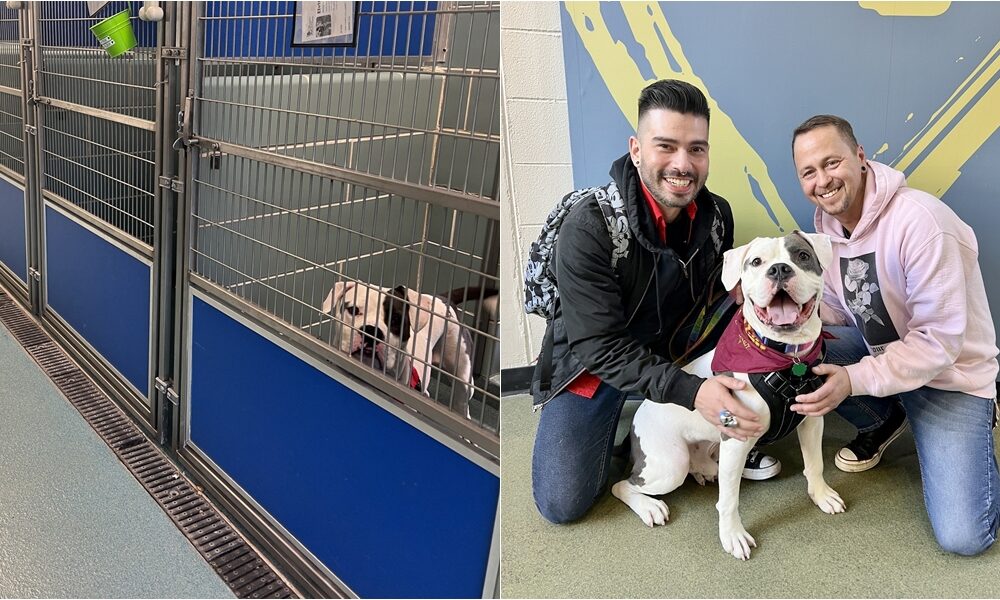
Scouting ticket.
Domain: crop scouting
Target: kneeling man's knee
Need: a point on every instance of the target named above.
(964, 542)
(561, 508)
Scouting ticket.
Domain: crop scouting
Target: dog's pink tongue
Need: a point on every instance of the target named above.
(782, 311)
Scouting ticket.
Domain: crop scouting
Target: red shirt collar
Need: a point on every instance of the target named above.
(658, 218)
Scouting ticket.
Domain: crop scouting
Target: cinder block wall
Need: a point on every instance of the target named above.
(536, 164)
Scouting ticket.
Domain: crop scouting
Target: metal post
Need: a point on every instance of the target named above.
(165, 203)
(34, 159)
(189, 37)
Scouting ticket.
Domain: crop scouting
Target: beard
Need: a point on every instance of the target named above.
(654, 182)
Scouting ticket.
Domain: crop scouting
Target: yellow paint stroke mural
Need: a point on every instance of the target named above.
(735, 163)
(936, 154)
(907, 9)
(972, 114)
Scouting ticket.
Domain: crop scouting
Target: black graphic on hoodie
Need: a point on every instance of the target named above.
(864, 298)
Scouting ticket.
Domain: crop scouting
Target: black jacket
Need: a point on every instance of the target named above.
(616, 323)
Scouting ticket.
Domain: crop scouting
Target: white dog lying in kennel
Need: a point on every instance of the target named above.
(406, 332)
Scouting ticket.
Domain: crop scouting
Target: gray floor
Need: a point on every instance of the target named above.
(73, 520)
(882, 547)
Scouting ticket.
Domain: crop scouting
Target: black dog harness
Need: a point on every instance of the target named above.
(779, 390)
(776, 375)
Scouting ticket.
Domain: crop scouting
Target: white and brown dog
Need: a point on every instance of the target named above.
(782, 285)
(406, 333)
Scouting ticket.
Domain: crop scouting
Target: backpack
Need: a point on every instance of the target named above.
(540, 292)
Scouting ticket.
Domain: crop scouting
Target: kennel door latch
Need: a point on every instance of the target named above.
(167, 390)
(173, 53)
(172, 183)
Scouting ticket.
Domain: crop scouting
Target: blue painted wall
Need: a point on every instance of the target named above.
(102, 291)
(12, 229)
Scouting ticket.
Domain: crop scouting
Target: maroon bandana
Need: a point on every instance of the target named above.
(741, 351)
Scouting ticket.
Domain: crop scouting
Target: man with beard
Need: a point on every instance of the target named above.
(608, 338)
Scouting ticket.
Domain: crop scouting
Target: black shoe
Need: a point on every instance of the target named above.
(866, 449)
(760, 466)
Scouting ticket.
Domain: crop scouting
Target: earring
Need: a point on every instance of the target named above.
(864, 169)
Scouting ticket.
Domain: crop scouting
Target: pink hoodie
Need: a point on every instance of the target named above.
(909, 278)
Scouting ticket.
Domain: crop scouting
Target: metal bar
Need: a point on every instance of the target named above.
(107, 115)
(436, 196)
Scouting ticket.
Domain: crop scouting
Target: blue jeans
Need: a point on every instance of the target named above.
(954, 438)
(572, 454)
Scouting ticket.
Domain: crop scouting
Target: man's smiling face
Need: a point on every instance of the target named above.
(829, 171)
(671, 149)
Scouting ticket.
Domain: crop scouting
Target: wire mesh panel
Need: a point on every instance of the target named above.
(11, 117)
(415, 99)
(76, 69)
(397, 265)
(105, 168)
(99, 119)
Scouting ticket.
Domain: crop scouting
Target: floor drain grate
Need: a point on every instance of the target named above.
(236, 562)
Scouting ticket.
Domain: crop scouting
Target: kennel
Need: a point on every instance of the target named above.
(177, 215)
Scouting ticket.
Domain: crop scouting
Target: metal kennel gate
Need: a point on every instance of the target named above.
(189, 206)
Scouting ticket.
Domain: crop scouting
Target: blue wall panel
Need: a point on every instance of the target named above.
(102, 291)
(244, 29)
(392, 512)
(12, 248)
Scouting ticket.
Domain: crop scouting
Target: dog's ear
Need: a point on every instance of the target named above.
(732, 266)
(336, 295)
(396, 312)
(821, 245)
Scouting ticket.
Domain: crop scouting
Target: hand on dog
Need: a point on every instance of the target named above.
(714, 396)
(828, 396)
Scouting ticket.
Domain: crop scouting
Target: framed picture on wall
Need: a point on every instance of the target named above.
(325, 23)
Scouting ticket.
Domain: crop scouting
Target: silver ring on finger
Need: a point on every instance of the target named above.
(727, 419)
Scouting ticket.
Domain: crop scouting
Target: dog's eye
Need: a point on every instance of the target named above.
(755, 262)
(352, 310)
(804, 256)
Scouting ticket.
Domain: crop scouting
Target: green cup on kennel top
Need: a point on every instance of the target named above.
(115, 34)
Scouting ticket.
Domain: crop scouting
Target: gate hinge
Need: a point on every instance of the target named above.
(172, 183)
(173, 52)
(34, 274)
(30, 129)
(167, 390)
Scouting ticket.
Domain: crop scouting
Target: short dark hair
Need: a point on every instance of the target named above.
(673, 94)
(842, 126)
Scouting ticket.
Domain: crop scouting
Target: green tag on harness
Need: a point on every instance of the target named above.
(799, 369)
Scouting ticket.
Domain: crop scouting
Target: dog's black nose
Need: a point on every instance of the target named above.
(372, 335)
(780, 272)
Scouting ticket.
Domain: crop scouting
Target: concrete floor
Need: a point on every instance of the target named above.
(73, 520)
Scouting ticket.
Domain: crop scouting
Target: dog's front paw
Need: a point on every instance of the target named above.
(828, 500)
(652, 511)
(737, 541)
(702, 478)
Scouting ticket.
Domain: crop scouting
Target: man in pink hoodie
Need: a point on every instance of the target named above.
(916, 341)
